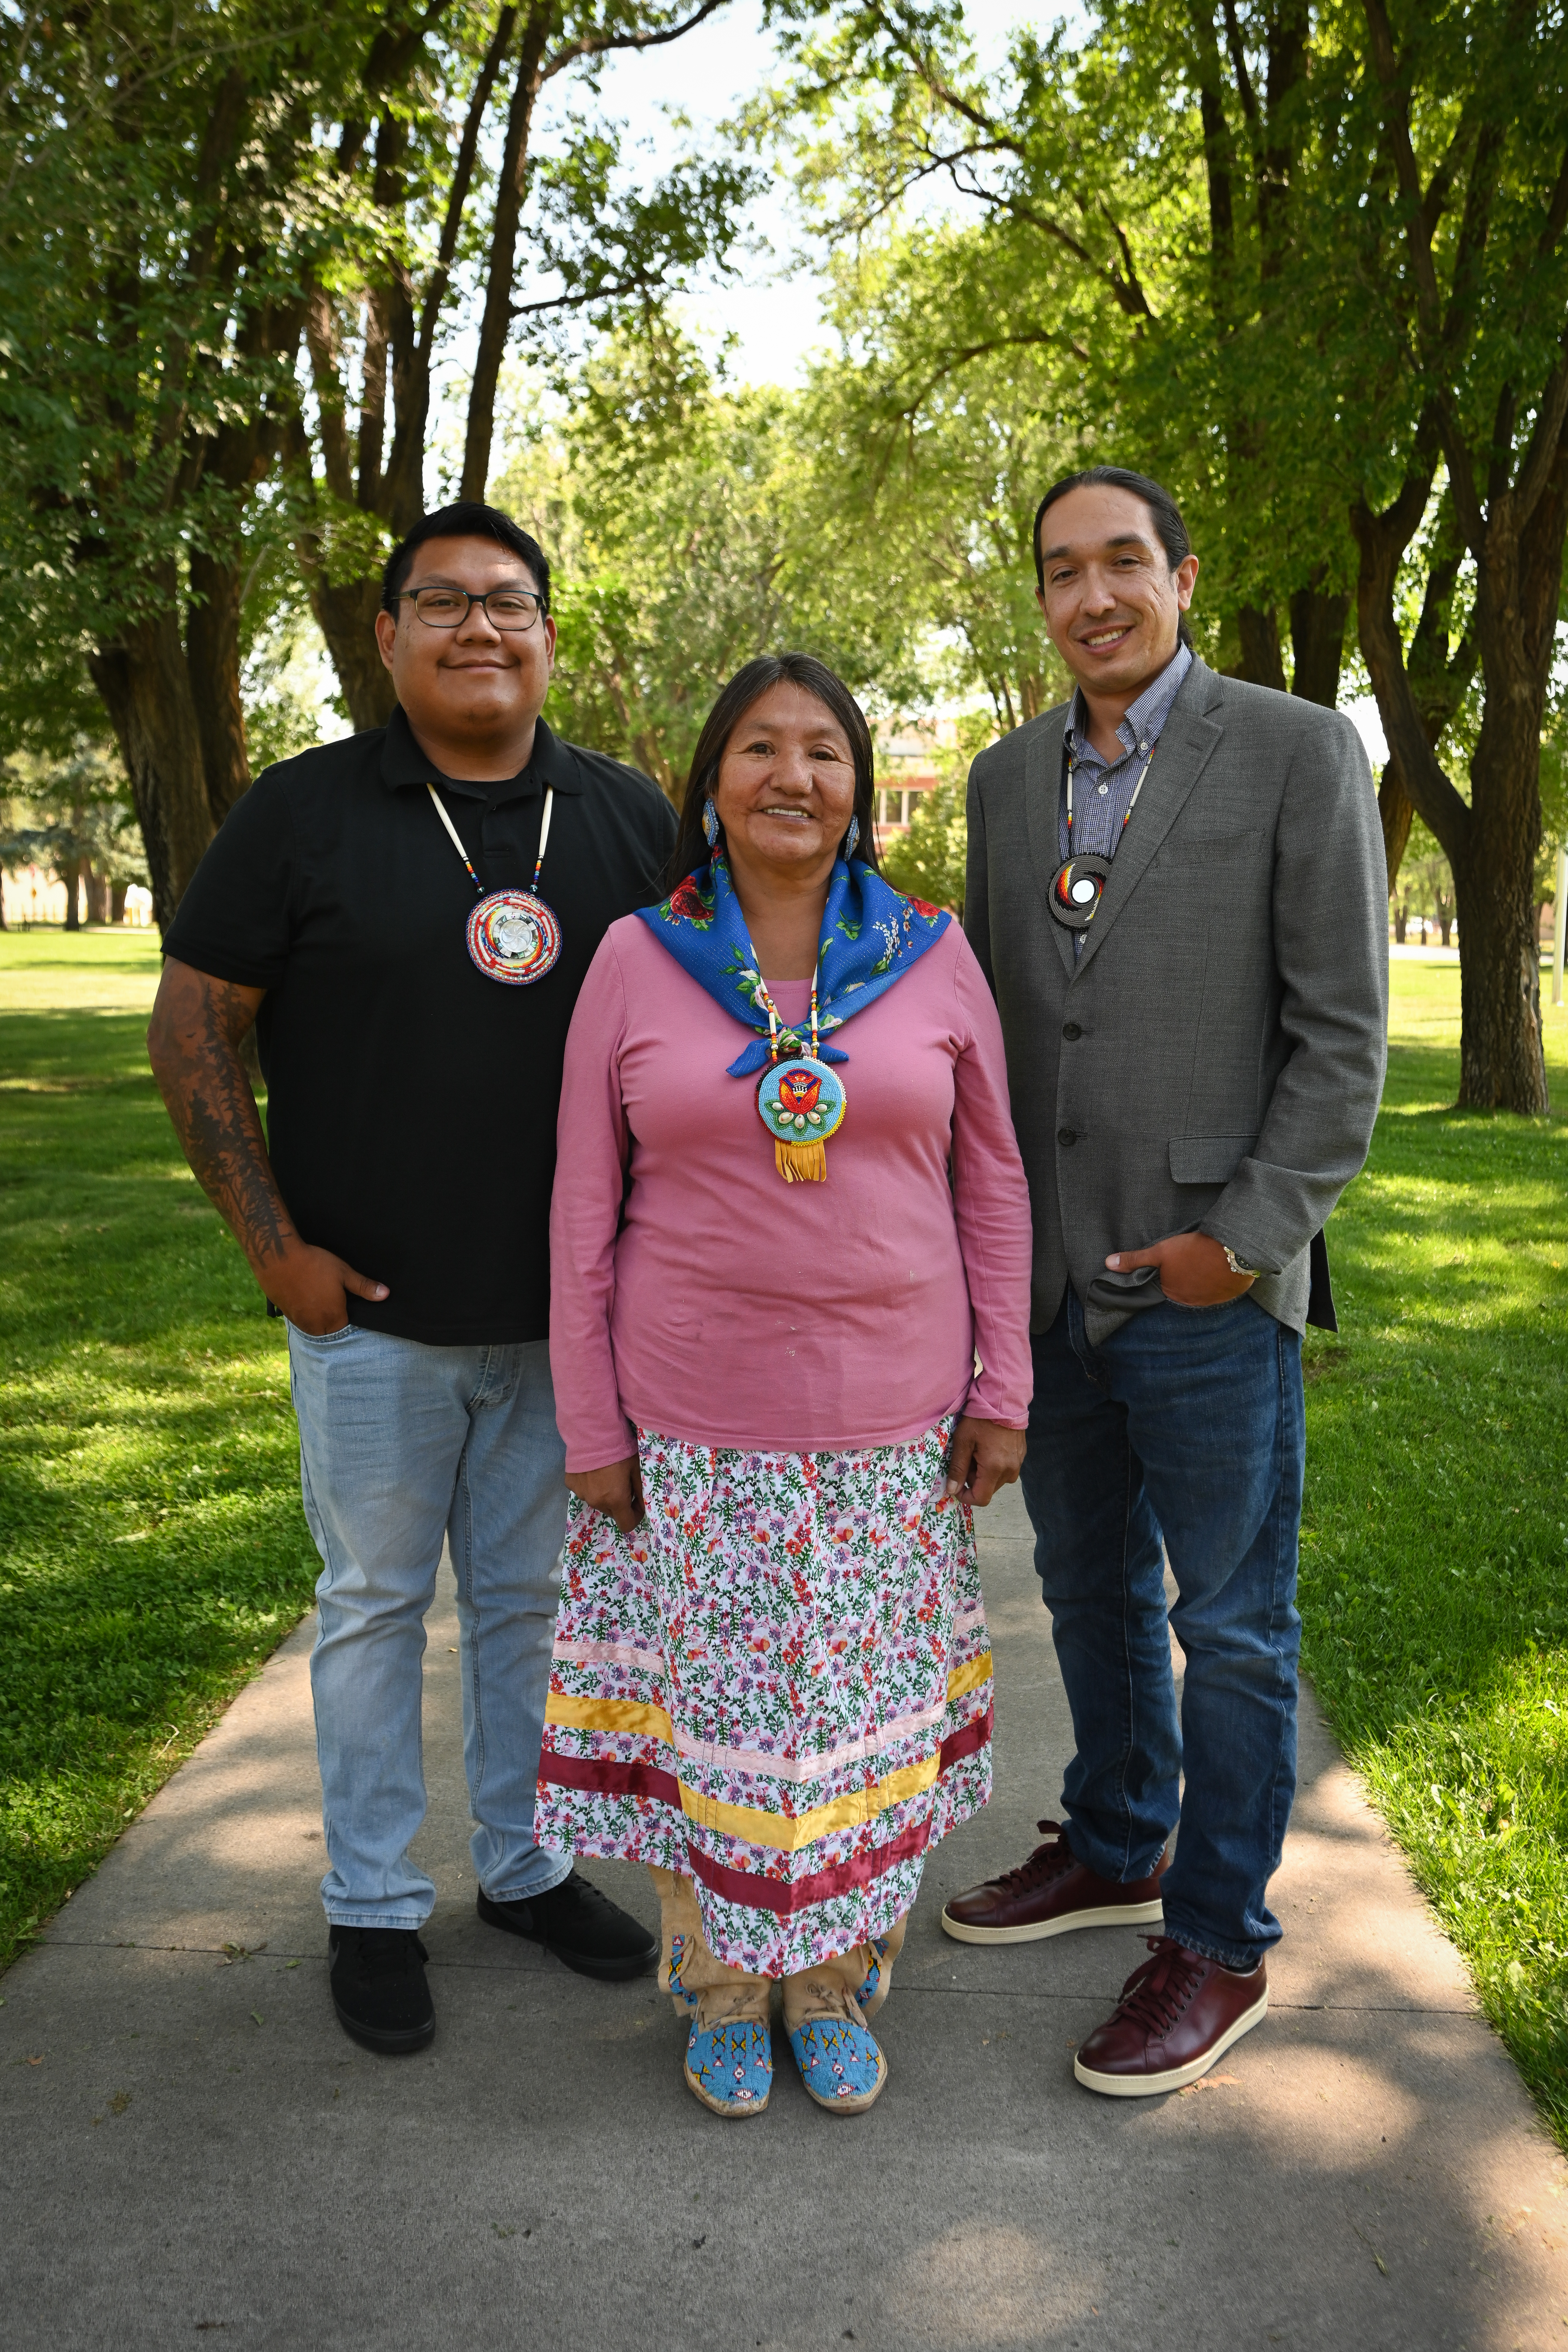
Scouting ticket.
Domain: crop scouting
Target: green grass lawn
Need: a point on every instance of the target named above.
(152, 1549)
(1435, 1549)
(151, 1546)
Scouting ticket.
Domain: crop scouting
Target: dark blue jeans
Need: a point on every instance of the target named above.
(1187, 1422)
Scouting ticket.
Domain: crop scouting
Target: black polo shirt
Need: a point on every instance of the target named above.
(412, 1102)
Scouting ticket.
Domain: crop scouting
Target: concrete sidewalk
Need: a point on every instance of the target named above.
(188, 2144)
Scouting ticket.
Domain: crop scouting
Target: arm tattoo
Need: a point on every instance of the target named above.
(193, 1047)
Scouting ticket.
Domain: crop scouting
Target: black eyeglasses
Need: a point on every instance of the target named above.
(509, 610)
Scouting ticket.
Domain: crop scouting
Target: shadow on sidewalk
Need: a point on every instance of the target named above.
(190, 2143)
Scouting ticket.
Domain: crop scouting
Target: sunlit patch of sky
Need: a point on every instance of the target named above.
(772, 305)
(768, 310)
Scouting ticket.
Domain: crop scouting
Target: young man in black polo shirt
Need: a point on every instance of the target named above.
(397, 1212)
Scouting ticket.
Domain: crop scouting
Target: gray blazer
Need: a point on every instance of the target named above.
(1215, 1058)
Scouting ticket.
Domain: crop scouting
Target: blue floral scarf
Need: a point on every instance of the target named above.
(871, 935)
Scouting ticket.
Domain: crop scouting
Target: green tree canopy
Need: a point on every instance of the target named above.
(693, 527)
(190, 203)
(1310, 264)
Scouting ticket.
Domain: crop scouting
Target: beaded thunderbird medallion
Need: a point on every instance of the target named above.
(801, 1102)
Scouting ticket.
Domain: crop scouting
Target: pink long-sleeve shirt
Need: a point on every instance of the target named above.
(707, 1300)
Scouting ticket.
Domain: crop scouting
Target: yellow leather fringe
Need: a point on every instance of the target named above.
(802, 1163)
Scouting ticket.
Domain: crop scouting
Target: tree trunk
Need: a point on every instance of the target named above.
(1518, 586)
(212, 653)
(1401, 920)
(146, 689)
(347, 615)
(1261, 662)
(1501, 1061)
(1395, 810)
(511, 183)
(1317, 644)
(117, 902)
(70, 874)
(1425, 684)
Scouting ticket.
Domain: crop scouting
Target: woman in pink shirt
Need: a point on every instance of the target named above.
(790, 1336)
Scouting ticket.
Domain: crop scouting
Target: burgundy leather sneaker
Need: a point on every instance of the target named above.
(1178, 2014)
(1050, 1893)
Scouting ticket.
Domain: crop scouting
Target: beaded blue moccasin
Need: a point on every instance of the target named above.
(840, 2066)
(730, 2067)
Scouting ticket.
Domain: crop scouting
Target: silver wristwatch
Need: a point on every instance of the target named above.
(1234, 1263)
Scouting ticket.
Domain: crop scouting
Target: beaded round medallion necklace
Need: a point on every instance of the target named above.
(1079, 883)
(513, 936)
(800, 1100)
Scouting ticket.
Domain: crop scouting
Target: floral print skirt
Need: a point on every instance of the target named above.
(779, 1686)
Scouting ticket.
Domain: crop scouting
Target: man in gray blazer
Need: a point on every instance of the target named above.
(1176, 888)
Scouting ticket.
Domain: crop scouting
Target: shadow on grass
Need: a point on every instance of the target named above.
(1435, 1540)
(114, 1671)
(150, 1528)
(64, 1048)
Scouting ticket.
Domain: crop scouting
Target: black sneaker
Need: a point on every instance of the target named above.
(580, 1927)
(378, 1990)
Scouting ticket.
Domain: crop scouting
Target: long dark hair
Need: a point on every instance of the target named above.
(1164, 512)
(748, 686)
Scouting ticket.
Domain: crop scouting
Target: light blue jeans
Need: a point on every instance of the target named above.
(399, 1445)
